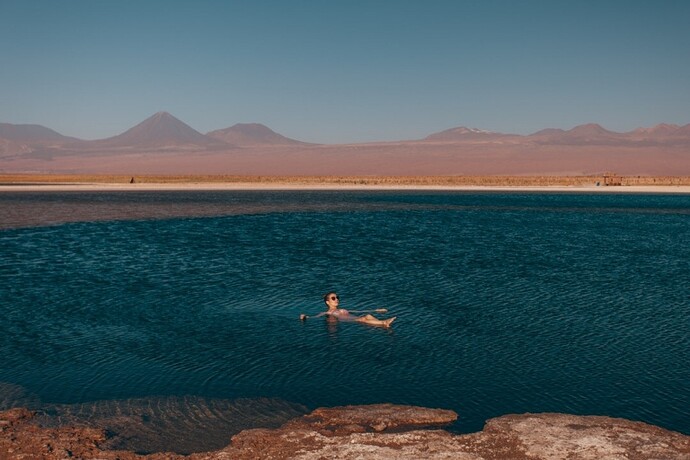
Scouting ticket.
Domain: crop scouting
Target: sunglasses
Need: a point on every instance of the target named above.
(334, 297)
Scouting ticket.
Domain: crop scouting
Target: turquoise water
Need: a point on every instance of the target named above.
(506, 303)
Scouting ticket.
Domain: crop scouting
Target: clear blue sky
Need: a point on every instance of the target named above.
(345, 71)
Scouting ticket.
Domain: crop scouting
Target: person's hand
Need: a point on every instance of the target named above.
(302, 317)
(381, 310)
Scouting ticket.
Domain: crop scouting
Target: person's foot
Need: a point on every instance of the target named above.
(389, 321)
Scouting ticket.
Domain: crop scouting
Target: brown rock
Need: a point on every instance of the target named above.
(375, 417)
(562, 436)
(381, 431)
(13, 416)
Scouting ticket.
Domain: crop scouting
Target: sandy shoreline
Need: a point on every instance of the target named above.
(469, 183)
(249, 186)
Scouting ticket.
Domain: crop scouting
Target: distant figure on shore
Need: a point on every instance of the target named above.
(333, 301)
(131, 181)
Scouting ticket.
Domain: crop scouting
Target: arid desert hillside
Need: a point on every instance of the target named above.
(162, 144)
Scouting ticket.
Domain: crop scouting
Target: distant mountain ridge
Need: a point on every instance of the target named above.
(586, 134)
(594, 134)
(30, 133)
(590, 133)
(462, 133)
(162, 132)
(162, 144)
(159, 133)
(244, 134)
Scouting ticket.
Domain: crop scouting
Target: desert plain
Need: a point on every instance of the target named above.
(164, 150)
(580, 184)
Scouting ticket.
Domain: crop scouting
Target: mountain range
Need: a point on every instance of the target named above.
(160, 132)
(164, 144)
(588, 134)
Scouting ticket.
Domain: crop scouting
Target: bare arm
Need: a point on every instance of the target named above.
(378, 310)
(303, 316)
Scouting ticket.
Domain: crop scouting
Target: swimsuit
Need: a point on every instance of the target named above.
(340, 313)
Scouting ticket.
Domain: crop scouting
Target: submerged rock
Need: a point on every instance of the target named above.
(183, 424)
(381, 431)
(374, 417)
(12, 395)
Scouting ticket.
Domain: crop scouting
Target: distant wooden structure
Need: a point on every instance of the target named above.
(612, 179)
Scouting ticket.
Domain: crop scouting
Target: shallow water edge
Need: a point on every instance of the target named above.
(379, 431)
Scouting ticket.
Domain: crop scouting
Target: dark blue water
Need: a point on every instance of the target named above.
(506, 303)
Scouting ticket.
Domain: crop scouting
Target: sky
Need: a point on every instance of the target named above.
(345, 71)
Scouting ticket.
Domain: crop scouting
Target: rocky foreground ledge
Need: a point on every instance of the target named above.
(382, 431)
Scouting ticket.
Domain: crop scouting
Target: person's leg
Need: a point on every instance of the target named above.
(373, 321)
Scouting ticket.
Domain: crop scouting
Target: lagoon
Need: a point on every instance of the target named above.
(506, 302)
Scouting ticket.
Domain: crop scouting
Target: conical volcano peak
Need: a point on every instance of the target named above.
(163, 116)
(160, 129)
(163, 119)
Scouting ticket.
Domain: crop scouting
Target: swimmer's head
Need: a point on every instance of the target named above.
(331, 297)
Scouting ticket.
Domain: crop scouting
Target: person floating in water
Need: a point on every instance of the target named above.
(333, 301)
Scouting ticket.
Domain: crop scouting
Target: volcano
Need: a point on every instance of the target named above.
(159, 130)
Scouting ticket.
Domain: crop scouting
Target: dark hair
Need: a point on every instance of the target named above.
(327, 295)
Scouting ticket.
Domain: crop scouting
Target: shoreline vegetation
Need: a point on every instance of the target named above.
(599, 180)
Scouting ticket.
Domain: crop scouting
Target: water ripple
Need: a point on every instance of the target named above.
(505, 303)
(184, 424)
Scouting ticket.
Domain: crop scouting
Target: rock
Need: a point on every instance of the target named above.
(16, 415)
(562, 436)
(183, 424)
(21, 438)
(375, 417)
(12, 395)
(380, 431)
